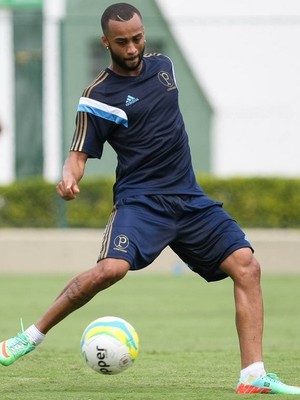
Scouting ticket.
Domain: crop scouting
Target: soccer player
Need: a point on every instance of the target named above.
(133, 105)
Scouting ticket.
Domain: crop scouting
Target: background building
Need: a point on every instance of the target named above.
(245, 53)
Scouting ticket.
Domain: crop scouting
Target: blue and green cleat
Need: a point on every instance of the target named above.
(268, 384)
(14, 348)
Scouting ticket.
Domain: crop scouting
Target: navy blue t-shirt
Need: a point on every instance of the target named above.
(139, 117)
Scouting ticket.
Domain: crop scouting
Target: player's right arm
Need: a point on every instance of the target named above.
(73, 171)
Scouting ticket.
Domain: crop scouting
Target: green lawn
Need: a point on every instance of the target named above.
(188, 342)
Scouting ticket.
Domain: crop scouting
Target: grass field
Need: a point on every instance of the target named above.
(189, 347)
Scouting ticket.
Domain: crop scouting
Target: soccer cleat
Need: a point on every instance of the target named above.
(14, 348)
(268, 384)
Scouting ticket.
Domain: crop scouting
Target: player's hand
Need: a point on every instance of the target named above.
(67, 189)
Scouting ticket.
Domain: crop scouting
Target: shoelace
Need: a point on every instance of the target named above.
(274, 377)
(17, 343)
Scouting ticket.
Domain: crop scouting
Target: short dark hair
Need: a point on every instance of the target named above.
(118, 12)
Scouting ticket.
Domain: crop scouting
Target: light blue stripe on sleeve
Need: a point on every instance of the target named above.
(103, 110)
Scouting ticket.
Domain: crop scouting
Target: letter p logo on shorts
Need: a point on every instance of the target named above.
(121, 243)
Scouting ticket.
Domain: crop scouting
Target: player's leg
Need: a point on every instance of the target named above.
(215, 247)
(80, 290)
(244, 270)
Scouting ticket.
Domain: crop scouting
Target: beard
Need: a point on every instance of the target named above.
(128, 64)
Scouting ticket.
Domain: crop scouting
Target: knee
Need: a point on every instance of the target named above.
(108, 271)
(242, 266)
(248, 274)
(250, 270)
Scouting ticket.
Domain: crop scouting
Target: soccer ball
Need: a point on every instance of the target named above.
(109, 345)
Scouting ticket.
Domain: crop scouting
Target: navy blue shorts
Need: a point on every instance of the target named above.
(140, 227)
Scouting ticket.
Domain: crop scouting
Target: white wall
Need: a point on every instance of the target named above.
(246, 55)
(7, 99)
(53, 12)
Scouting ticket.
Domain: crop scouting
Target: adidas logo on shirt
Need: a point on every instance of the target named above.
(131, 100)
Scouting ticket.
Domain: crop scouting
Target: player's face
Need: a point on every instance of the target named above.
(126, 42)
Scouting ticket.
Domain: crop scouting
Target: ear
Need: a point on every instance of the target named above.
(105, 42)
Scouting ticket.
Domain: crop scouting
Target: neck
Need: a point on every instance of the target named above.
(126, 72)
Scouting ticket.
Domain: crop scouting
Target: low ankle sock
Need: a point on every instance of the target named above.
(34, 335)
(253, 371)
